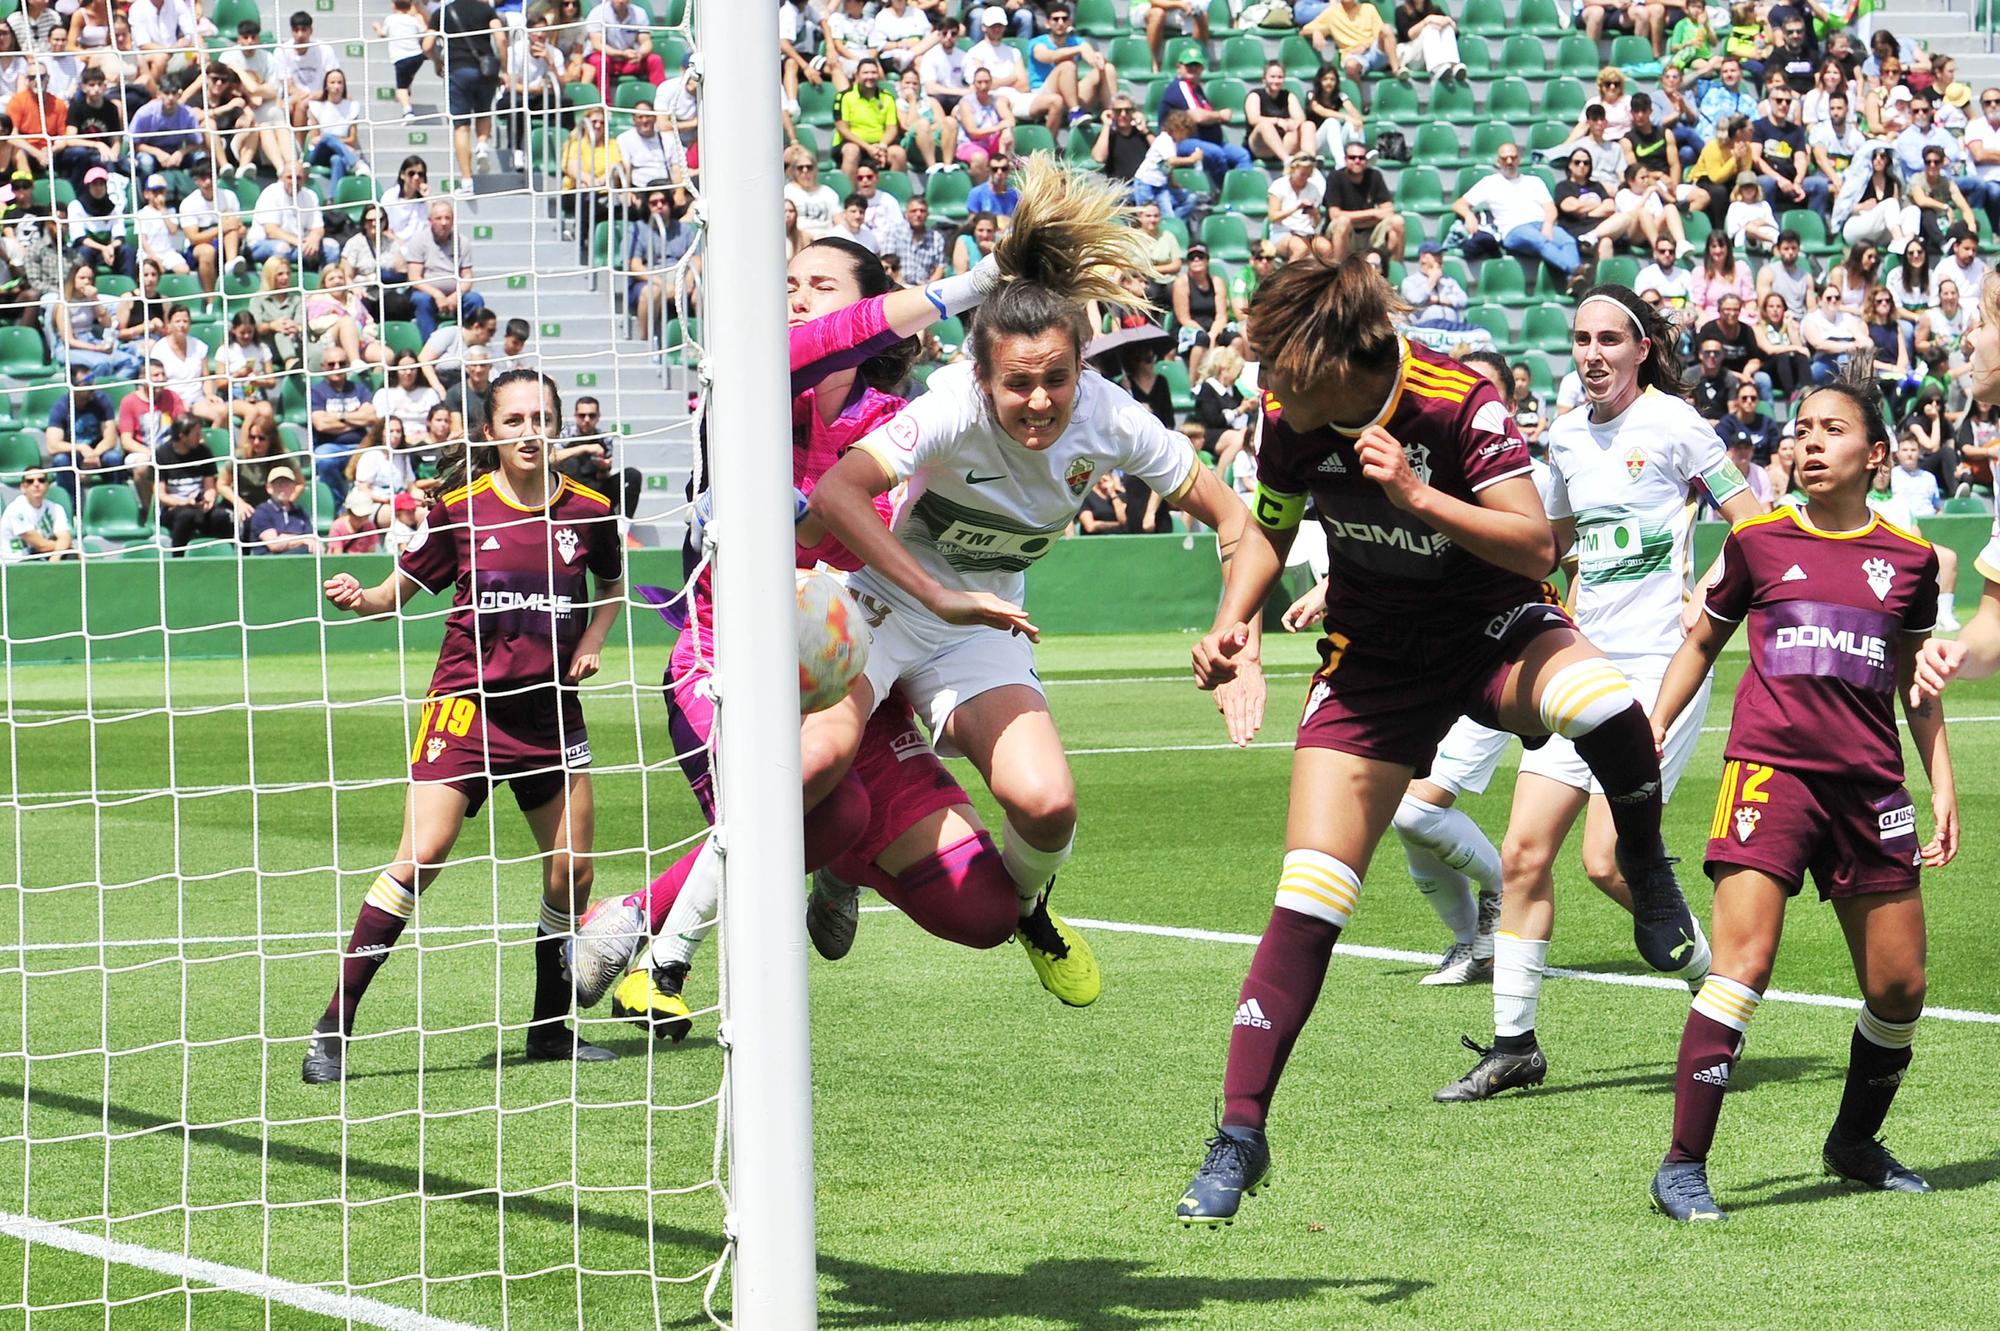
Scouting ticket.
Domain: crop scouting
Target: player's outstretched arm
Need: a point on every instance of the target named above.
(345, 592)
(1248, 574)
(1507, 527)
(1240, 700)
(1686, 671)
(1927, 734)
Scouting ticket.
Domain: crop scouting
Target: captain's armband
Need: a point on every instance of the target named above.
(1278, 512)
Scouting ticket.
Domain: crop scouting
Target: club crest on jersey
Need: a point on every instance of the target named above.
(1635, 463)
(1880, 574)
(1746, 822)
(1420, 460)
(432, 748)
(566, 539)
(1077, 478)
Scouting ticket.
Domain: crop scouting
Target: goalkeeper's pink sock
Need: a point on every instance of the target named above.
(834, 825)
(962, 893)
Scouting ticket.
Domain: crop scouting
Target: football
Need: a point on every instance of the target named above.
(833, 641)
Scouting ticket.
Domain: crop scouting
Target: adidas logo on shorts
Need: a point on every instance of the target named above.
(1251, 1013)
(1715, 1076)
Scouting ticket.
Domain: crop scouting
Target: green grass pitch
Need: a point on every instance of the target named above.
(987, 1159)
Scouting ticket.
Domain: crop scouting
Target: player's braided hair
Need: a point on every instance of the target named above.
(886, 370)
(1069, 243)
(468, 460)
(1314, 317)
(1662, 367)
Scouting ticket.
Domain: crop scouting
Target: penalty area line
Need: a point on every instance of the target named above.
(1363, 952)
(348, 1308)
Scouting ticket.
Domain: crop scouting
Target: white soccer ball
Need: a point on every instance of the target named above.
(833, 641)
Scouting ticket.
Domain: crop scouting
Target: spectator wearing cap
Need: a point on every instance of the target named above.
(190, 502)
(287, 221)
(1163, 17)
(278, 526)
(32, 528)
(158, 229)
(996, 194)
(439, 271)
(94, 230)
(1185, 93)
(1356, 32)
(95, 134)
(1203, 313)
(1361, 208)
(402, 530)
(866, 124)
(1523, 214)
(1011, 83)
(1294, 206)
(165, 133)
(619, 33)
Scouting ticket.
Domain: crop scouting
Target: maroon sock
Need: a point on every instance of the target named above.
(1276, 999)
(1621, 756)
(836, 822)
(1873, 1076)
(1709, 1051)
(962, 894)
(375, 932)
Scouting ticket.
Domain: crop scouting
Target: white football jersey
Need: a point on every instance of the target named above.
(980, 507)
(1629, 484)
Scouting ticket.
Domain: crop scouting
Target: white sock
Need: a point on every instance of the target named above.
(1448, 891)
(1696, 971)
(1031, 867)
(692, 915)
(1518, 964)
(1451, 835)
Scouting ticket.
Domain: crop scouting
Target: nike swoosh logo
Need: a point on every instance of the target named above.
(974, 479)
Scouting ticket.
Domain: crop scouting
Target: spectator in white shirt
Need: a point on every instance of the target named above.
(1961, 263)
(620, 37)
(650, 158)
(1982, 152)
(900, 33)
(32, 528)
(816, 203)
(159, 239)
(301, 68)
(943, 66)
(165, 38)
(1009, 70)
(212, 236)
(287, 221)
(1523, 213)
(256, 71)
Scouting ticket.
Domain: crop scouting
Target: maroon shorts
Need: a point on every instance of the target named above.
(1855, 838)
(1393, 702)
(905, 780)
(531, 741)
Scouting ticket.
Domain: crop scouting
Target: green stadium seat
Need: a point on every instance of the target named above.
(36, 404)
(581, 94)
(1419, 190)
(246, 189)
(115, 285)
(1242, 58)
(112, 511)
(678, 337)
(323, 506)
(228, 13)
(1811, 227)
(218, 548)
(1489, 139)
(1098, 18)
(1414, 234)
(1454, 102)
(1524, 57)
(23, 355)
(946, 192)
(1227, 238)
(1176, 228)
(1493, 319)
(1396, 104)
(1539, 18)
(950, 333)
(1301, 61)
(58, 194)
(19, 450)
(1176, 375)
(1246, 190)
(1190, 178)
(1510, 101)
(1456, 268)
(1032, 138)
(897, 184)
(816, 105)
(1546, 134)
(1630, 50)
(1620, 268)
(1501, 283)
(1229, 95)
(1484, 18)
(1564, 100)
(1078, 145)
(1178, 48)
(402, 335)
(1468, 176)
(185, 288)
(1134, 61)
(1436, 145)
(1964, 506)
(1476, 54)
(1545, 328)
(1576, 57)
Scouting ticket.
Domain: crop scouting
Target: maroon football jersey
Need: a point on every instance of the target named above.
(1390, 570)
(1828, 614)
(519, 599)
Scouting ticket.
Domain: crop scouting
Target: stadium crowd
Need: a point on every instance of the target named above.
(204, 278)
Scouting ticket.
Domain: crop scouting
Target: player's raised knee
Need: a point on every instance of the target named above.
(1582, 696)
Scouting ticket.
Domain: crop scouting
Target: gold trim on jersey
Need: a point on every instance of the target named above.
(577, 487)
(1799, 520)
(1433, 381)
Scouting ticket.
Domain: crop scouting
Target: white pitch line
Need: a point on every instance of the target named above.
(1366, 953)
(347, 1308)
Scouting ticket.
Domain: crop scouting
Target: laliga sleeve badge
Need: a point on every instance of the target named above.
(903, 433)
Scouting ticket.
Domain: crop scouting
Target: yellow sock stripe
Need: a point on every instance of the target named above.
(385, 893)
(1888, 1034)
(1319, 885)
(1310, 877)
(1574, 712)
(1595, 678)
(1725, 1001)
(556, 921)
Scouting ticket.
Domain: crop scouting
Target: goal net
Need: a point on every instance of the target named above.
(206, 764)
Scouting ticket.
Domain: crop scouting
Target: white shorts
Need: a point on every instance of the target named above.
(1467, 757)
(1558, 761)
(937, 665)
(1988, 562)
(1017, 100)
